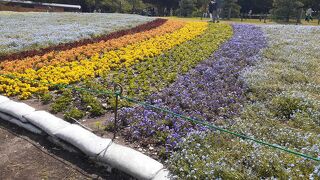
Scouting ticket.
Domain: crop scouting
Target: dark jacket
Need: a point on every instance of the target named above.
(213, 6)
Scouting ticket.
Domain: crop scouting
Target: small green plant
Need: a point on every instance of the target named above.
(74, 113)
(62, 103)
(161, 136)
(46, 98)
(94, 106)
(99, 125)
(109, 126)
(285, 107)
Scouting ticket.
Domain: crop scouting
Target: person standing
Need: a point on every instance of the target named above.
(213, 10)
(250, 14)
(309, 14)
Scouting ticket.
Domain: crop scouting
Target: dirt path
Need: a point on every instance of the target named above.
(24, 155)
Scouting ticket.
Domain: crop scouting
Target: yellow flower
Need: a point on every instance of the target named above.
(123, 57)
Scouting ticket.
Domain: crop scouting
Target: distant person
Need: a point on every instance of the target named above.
(205, 15)
(309, 14)
(171, 12)
(213, 7)
(250, 14)
(153, 12)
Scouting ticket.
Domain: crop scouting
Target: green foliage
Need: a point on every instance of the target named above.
(230, 9)
(284, 9)
(197, 13)
(144, 79)
(92, 103)
(201, 4)
(100, 125)
(286, 80)
(161, 136)
(110, 126)
(257, 6)
(286, 106)
(74, 113)
(186, 7)
(62, 103)
(304, 120)
(213, 155)
(104, 5)
(46, 98)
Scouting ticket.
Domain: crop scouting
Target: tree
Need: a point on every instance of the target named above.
(186, 7)
(230, 8)
(284, 9)
(137, 5)
(257, 6)
(161, 5)
(314, 4)
(200, 4)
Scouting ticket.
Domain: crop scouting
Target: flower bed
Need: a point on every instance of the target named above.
(282, 108)
(153, 75)
(83, 42)
(150, 75)
(283, 90)
(70, 72)
(263, 83)
(27, 31)
(224, 91)
(56, 58)
(212, 91)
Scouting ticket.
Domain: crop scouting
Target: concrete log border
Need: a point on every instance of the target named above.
(71, 137)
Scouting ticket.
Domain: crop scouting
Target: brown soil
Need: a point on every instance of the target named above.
(24, 155)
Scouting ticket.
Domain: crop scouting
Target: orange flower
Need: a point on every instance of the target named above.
(87, 51)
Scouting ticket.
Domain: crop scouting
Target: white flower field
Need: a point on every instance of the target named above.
(26, 31)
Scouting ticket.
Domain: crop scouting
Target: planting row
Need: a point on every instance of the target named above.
(212, 91)
(67, 46)
(78, 53)
(74, 71)
(281, 107)
(28, 31)
(144, 78)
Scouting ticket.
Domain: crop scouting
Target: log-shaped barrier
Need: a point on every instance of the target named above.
(73, 137)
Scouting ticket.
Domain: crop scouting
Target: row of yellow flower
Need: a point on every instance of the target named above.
(75, 71)
(87, 51)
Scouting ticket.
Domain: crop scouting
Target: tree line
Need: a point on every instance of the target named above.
(281, 9)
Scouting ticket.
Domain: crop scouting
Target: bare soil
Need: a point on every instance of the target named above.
(24, 155)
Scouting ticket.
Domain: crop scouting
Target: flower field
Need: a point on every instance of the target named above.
(239, 89)
(48, 70)
(258, 81)
(29, 31)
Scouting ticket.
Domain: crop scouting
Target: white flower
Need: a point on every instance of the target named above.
(25, 31)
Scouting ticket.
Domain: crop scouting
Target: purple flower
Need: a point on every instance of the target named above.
(211, 91)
